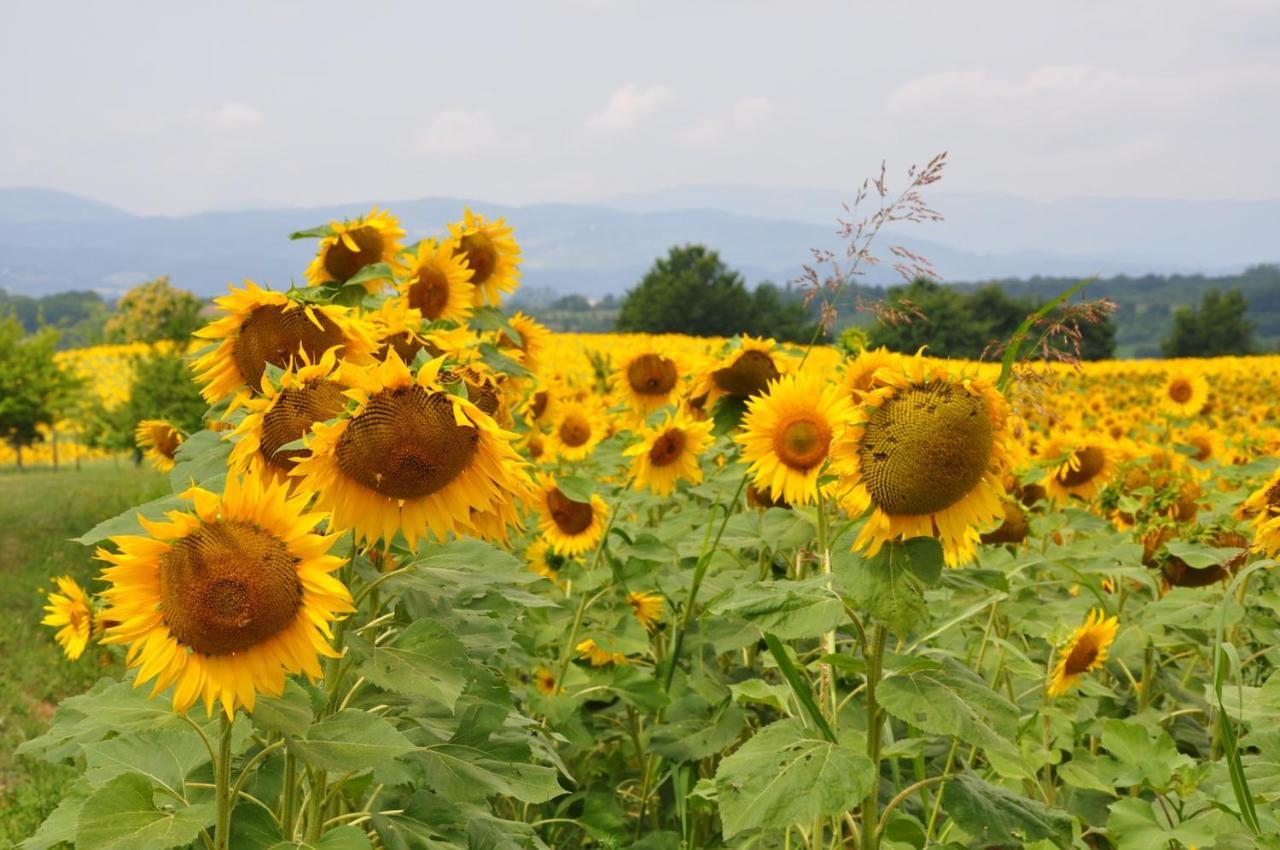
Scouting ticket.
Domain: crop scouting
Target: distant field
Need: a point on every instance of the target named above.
(39, 511)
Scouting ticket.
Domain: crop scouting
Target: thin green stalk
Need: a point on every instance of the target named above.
(871, 806)
(222, 785)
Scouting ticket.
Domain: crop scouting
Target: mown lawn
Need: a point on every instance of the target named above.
(39, 512)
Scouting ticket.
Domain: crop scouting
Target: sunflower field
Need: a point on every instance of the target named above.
(433, 577)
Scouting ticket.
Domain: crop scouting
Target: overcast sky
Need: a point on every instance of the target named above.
(164, 107)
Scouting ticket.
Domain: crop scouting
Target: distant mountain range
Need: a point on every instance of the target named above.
(53, 241)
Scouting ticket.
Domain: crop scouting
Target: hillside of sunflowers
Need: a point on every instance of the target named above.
(434, 576)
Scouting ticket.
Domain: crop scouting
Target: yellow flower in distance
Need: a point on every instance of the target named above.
(1085, 651)
(1185, 392)
(158, 441)
(745, 370)
(647, 380)
(926, 454)
(354, 244)
(577, 430)
(669, 452)
(571, 527)
(491, 253)
(226, 599)
(788, 432)
(70, 613)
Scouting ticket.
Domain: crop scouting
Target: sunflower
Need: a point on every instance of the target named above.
(545, 681)
(1078, 467)
(1185, 393)
(860, 372)
(437, 282)
(158, 441)
(744, 371)
(352, 245)
(647, 608)
(264, 327)
(669, 452)
(534, 340)
(577, 430)
(308, 393)
(399, 326)
(927, 455)
(224, 600)
(491, 253)
(597, 655)
(411, 457)
(70, 613)
(570, 526)
(788, 432)
(1262, 508)
(646, 381)
(1085, 651)
(542, 560)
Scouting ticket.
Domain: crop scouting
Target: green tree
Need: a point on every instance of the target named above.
(1217, 328)
(34, 392)
(154, 311)
(689, 291)
(780, 313)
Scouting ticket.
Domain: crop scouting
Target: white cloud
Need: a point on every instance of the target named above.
(747, 116)
(628, 107)
(224, 117)
(458, 134)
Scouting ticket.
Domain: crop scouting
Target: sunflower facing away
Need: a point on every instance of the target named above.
(647, 608)
(411, 457)
(437, 282)
(158, 441)
(1084, 652)
(744, 371)
(860, 372)
(1185, 392)
(307, 394)
(646, 381)
(669, 452)
(354, 244)
(264, 327)
(534, 340)
(926, 455)
(223, 601)
(571, 527)
(491, 253)
(70, 613)
(788, 432)
(597, 655)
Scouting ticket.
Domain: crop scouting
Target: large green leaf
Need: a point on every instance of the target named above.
(693, 730)
(1153, 758)
(338, 838)
(890, 586)
(110, 707)
(350, 741)
(290, 713)
(992, 815)
(477, 770)
(127, 522)
(425, 660)
(60, 826)
(789, 609)
(201, 458)
(122, 815)
(165, 756)
(1136, 825)
(946, 698)
(784, 776)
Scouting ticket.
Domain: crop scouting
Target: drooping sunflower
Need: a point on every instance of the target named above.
(410, 457)
(399, 326)
(647, 608)
(570, 526)
(598, 656)
(437, 282)
(354, 244)
(577, 430)
(745, 370)
(492, 254)
(71, 614)
(308, 393)
(265, 327)
(534, 340)
(788, 432)
(1085, 651)
(226, 599)
(647, 380)
(927, 454)
(1078, 466)
(669, 452)
(158, 441)
(1185, 392)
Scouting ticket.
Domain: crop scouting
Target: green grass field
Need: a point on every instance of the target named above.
(39, 512)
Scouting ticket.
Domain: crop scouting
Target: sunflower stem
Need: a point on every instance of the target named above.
(871, 805)
(222, 785)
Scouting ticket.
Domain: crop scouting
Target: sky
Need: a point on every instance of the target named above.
(169, 108)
